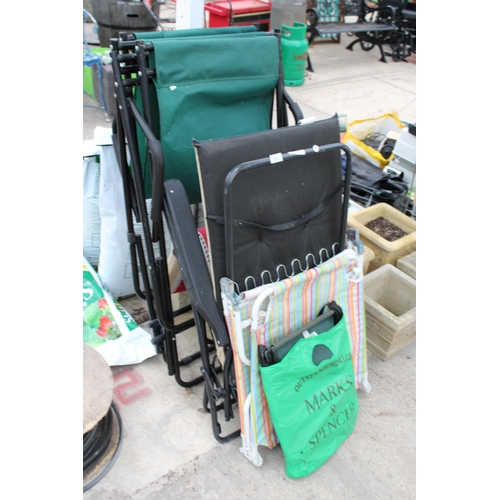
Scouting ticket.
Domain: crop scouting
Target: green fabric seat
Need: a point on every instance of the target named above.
(207, 87)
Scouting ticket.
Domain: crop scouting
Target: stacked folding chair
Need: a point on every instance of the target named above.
(275, 222)
(172, 86)
(195, 126)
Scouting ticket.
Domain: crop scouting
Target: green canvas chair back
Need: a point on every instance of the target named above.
(207, 87)
(228, 30)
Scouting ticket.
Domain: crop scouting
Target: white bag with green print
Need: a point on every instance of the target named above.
(108, 327)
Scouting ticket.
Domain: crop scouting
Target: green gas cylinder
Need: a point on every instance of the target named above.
(294, 53)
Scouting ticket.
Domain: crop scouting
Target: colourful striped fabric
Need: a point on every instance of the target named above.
(292, 303)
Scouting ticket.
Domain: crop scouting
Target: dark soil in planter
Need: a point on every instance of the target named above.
(386, 229)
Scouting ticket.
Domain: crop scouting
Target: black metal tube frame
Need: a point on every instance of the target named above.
(156, 283)
(133, 60)
(219, 394)
(263, 162)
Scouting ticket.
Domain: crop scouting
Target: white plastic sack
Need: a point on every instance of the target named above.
(115, 264)
(107, 326)
(91, 216)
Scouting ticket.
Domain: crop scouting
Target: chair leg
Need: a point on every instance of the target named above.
(309, 64)
(216, 397)
(354, 42)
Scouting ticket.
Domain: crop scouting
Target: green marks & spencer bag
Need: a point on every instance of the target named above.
(312, 399)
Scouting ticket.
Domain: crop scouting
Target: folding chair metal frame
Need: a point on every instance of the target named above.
(130, 60)
(220, 384)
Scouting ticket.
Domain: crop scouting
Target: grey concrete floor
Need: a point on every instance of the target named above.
(168, 449)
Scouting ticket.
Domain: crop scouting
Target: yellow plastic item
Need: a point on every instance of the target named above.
(358, 130)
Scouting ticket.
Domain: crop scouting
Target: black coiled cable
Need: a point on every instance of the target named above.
(96, 442)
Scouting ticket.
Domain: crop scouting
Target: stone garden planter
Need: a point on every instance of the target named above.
(386, 252)
(391, 309)
(367, 258)
(408, 264)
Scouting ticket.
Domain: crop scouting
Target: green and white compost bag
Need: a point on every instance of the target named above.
(108, 327)
(312, 399)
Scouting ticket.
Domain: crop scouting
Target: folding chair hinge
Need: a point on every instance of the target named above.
(153, 324)
(216, 393)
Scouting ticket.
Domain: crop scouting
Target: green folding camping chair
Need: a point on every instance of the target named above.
(171, 87)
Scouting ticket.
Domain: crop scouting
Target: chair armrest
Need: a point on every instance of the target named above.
(293, 106)
(191, 260)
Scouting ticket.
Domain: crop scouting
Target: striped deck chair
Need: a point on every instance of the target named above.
(266, 314)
